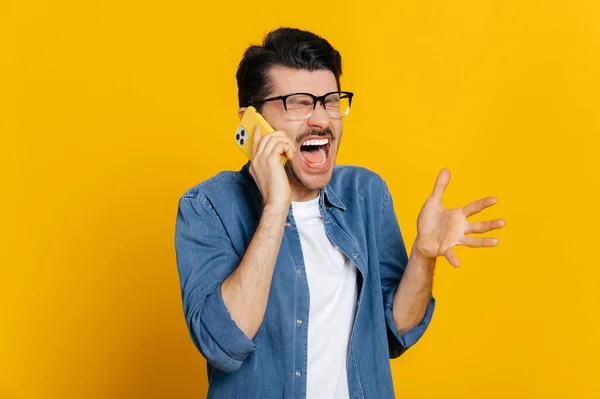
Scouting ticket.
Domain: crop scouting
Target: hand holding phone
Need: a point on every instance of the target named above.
(262, 145)
(244, 135)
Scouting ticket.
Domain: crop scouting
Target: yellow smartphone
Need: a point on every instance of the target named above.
(244, 135)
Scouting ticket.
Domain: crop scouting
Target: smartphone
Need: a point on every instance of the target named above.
(244, 135)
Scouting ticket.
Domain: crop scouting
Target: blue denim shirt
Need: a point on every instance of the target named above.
(216, 221)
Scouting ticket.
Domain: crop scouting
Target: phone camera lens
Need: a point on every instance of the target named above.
(237, 136)
(242, 141)
(243, 133)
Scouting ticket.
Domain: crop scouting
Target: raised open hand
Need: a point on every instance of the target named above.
(440, 229)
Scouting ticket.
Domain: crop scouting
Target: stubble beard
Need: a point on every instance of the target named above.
(294, 173)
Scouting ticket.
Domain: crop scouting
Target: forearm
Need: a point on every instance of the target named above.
(414, 292)
(246, 291)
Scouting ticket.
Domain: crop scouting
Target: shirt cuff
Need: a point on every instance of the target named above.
(413, 335)
(222, 328)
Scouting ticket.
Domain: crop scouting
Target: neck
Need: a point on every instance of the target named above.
(301, 193)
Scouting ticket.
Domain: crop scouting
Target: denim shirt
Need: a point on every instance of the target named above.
(216, 221)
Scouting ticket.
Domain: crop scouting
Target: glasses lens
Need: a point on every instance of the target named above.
(299, 106)
(337, 105)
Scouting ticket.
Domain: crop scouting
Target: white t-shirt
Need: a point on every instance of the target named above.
(333, 296)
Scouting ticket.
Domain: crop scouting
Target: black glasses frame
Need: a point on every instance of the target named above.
(316, 99)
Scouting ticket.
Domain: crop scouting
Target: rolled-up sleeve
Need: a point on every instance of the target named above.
(205, 258)
(399, 343)
(392, 261)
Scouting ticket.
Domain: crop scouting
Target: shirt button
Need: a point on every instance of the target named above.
(356, 255)
(298, 271)
(287, 224)
(327, 221)
(299, 321)
(298, 374)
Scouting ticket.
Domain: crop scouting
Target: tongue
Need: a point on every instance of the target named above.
(313, 155)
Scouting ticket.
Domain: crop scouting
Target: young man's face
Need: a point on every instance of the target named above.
(311, 168)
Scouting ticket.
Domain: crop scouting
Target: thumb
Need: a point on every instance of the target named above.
(451, 257)
(441, 183)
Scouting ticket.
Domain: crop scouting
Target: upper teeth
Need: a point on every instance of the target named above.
(316, 142)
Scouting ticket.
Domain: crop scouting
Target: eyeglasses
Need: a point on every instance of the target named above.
(300, 106)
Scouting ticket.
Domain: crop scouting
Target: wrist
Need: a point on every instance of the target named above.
(420, 250)
(276, 209)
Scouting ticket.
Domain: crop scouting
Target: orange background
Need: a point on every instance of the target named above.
(109, 110)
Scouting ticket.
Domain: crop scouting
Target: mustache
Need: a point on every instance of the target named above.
(315, 132)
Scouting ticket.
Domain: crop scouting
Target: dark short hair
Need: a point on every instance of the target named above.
(287, 47)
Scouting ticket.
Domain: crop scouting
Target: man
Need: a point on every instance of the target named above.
(295, 279)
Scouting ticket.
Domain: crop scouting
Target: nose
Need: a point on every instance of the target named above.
(319, 118)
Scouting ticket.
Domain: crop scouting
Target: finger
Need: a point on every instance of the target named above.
(283, 149)
(277, 146)
(289, 153)
(441, 183)
(451, 257)
(288, 149)
(484, 227)
(478, 242)
(267, 138)
(478, 206)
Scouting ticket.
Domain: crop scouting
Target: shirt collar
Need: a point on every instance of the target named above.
(332, 198)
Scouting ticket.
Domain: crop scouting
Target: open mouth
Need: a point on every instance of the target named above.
(316, 151)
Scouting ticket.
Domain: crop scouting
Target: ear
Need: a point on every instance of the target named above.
(241, 112)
